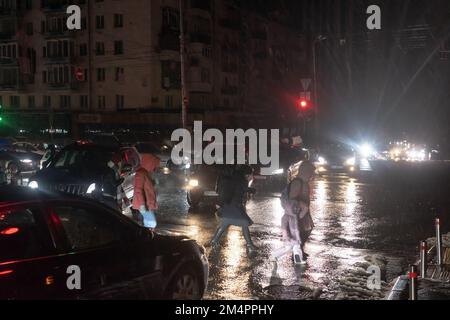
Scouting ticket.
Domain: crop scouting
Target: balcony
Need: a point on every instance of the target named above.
(60, 60)
(229, 67)
(8, 62)
(232, 24)
(259, 34)
(204, 5)
(196, 37)
(54, 6)
(72, 85)
(169, 40)
(229, 90)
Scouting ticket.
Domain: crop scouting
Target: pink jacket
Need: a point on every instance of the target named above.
(144, 190)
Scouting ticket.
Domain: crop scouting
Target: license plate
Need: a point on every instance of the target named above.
(260, 177)
(337, 167)
(210, 193)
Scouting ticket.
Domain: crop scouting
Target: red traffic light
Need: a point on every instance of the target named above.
(303, 104)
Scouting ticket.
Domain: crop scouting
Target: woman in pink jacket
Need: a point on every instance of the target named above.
(144, 199)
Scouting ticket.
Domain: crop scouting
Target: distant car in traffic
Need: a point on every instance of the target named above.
(45, 238)
(336, 158)
(28, 147)
(15, 162)
(79, 169)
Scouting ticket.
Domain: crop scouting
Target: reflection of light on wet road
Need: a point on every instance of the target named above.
(318, 205)
(348, 220)
(232, 274)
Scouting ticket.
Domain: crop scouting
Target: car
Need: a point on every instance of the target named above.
(79, 169)
(289, 156)
(28, 147)
(63, 247)
(14, 162)
(336, 158)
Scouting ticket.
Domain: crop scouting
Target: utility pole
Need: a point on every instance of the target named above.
(316, 98)
(184, 95)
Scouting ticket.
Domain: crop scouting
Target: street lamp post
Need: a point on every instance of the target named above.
(184, 99)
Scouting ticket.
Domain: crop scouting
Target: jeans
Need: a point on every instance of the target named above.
(224, 226)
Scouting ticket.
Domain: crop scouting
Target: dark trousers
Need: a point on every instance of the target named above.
(224, 226)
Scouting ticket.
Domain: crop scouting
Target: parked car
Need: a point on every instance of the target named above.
(79, 169)
(47, 237)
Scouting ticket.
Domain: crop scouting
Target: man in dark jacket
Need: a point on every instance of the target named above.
(232, 189)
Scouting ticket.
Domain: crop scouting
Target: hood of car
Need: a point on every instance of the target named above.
(53, 175)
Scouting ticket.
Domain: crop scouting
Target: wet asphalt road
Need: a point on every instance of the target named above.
(359, 223)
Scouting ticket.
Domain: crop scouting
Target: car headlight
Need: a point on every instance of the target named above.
(321, 161)
(193, 183)
(33, 185)
(279, 171)
(91, 188)
(350, 162)
(27, 161)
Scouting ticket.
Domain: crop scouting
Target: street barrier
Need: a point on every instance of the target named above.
(438, 242)
(412, 282)
(423, 259)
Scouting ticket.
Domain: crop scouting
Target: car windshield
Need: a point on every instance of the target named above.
(78, 158)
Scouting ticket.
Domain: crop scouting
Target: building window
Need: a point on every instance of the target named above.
(30, 28)
(31, 102)
(59, 48)
(83, 49)
(100, 22)
(83, 23)
(206, 52)
(170, 19)
(206, 75)
(120, 102)
(101, 102)
(118, 47)
(64, 102)
(101, 74)
(14, 101)
(169, 101)
(8, 50)
(47, 102)
(171, 74)
(99, 48)
(118, 20)
(44, 76)
(83, 102)
(120, 74)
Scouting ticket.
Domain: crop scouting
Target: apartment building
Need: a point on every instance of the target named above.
(124, 64)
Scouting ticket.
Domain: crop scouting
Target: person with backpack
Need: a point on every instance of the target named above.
(232, 189)
(296, 223)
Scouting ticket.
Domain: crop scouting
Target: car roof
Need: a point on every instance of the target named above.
(16, 194)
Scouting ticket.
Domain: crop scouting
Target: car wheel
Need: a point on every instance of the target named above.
(185, 285)
(193, 200)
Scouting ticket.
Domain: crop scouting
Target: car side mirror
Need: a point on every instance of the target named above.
(127, 168)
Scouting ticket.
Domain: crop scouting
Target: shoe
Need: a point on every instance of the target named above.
(298, 259)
